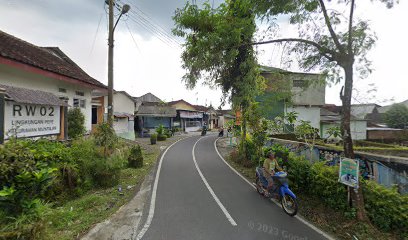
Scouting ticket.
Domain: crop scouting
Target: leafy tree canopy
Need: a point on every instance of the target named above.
(397, 116)
(217, 48)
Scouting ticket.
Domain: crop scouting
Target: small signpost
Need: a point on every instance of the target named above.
(349, 171)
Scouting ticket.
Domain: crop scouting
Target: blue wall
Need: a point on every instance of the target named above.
(154, 122)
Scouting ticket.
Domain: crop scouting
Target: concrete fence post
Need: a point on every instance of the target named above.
(2, 113)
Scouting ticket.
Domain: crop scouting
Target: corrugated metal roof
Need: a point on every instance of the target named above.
(29, 96)
(156, 111)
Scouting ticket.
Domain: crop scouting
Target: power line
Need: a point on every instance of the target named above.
(133, 37)
(96, 34)
(144, 20)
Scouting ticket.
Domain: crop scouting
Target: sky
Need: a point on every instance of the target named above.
(147, 57)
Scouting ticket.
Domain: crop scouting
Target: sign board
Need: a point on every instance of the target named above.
(349, 171)
(185, 114)
(28, 120)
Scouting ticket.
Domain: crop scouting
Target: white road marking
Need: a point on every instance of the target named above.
(274, 201)
(154, 193)
(224, 210)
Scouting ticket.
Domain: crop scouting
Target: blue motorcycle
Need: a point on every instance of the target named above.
(279, 190)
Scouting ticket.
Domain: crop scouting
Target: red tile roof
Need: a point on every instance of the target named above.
(51, 59)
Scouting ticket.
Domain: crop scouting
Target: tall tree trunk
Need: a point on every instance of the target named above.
(356, 194)
(244, 130)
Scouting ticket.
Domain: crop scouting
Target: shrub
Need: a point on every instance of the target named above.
(76, 123)
(298, 173)
(168, 133)
(135, 158)
(160, 130)
(23, 180)
(324, 183)
(281, 152)
(105, 137)
(153, 138)
(107, 170)
(397, 116)
(161, 137)
(385, 207)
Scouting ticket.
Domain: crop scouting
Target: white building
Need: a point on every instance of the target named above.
(47, 69)
(303, 93)
(329, 119)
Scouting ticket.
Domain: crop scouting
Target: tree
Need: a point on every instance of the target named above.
(76, 121)
(332, 41)
(397, 116)
(218, 51)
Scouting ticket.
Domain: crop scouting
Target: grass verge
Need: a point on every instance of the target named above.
(74, 218)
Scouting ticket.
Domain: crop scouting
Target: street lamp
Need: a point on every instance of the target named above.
(112, 27)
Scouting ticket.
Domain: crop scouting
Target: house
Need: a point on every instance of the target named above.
(303, 93)
(330, 117)
(152, 114)
(212, 118)
(148, 97)
(369, 112)
(224, 116)
(188, 118)
(46, 70)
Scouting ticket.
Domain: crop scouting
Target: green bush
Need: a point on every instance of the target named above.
(250, 154)
(161, 137)
(107, 170)
(153, 138)
(385, 207)
(298, 170)
(324, 184)
(168, 133)
(76, 123)
(160, 130)
(281, 152)
(105, 137)
(23, 178)
(135, 158)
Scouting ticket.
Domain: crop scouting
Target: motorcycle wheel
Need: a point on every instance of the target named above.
(259, 188)
(289, 205)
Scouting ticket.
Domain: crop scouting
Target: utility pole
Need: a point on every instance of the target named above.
(110, 65)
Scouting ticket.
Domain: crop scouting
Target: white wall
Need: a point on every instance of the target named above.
(311, 114)
(121, 125)
(122, 103)
(18, 78)
(314, 94)
(358, 129)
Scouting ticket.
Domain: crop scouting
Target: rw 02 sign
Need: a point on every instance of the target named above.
(26, 120)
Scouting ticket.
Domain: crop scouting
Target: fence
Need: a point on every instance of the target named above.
(387, 171)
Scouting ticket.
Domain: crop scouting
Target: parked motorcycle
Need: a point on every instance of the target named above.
(280, 190)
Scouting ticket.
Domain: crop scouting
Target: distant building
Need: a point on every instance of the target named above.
(330, 117)
(46, 69)
(303, 93)
(224, 116)
(152, 114)
(369, 112)
(188, 118)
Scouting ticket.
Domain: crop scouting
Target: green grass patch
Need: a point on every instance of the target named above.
(74, 218)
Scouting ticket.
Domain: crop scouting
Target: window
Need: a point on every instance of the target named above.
(62, 90)
(79, 103)
(79, 93)
(299, 83)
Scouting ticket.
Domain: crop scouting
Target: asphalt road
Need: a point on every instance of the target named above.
(223, 207)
